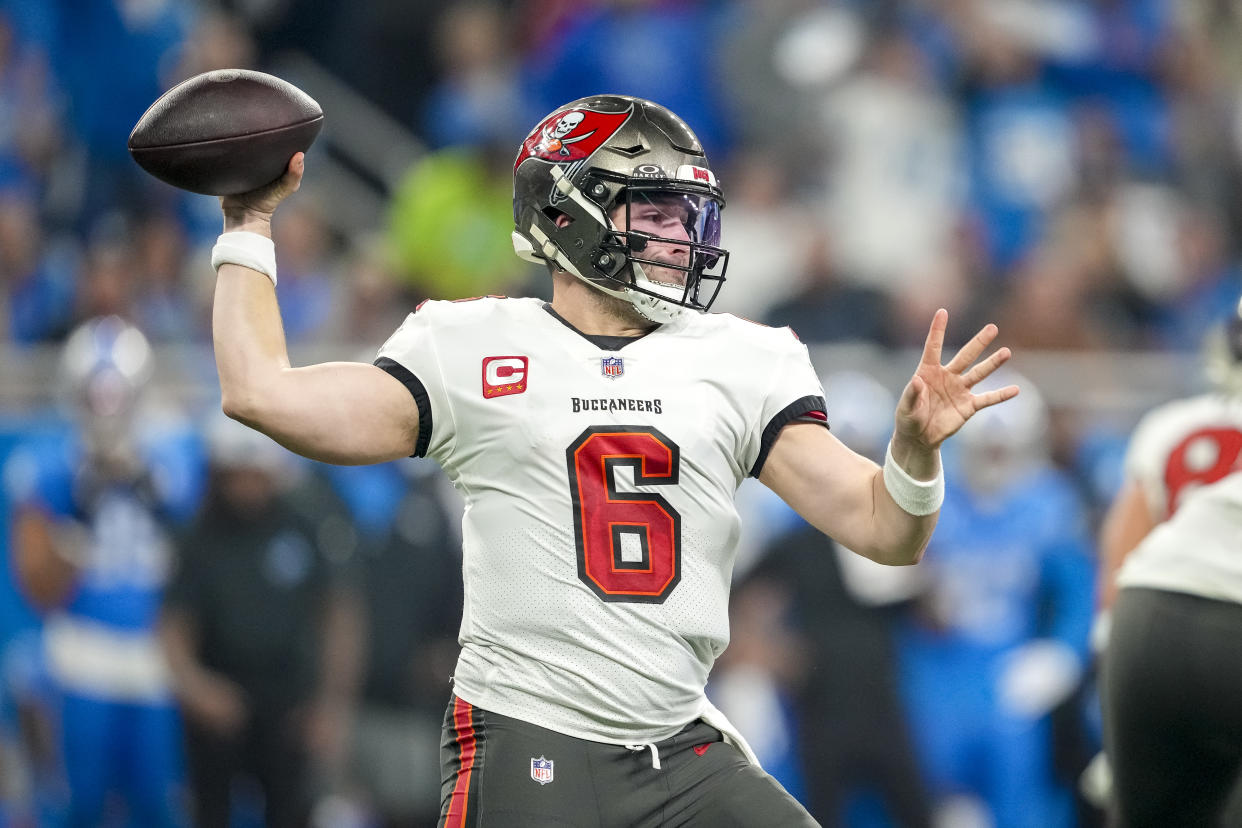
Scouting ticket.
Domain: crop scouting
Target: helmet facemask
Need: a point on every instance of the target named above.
(662, 243)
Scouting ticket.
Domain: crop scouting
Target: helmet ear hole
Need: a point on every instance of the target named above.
(557, 217)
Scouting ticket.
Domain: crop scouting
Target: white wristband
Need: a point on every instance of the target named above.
(918, 497)
(252, 250)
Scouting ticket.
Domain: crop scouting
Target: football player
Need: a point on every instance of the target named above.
(598, 440)
(999, 638)
(93, 505)
(1172, 583)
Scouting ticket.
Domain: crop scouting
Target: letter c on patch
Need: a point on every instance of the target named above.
(504, 375)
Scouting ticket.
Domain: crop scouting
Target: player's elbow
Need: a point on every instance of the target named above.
(906, 550)
(901, 556)
(243, 405)
(252, 394)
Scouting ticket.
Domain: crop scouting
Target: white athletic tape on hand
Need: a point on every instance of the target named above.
(918, 497)
(252, 250)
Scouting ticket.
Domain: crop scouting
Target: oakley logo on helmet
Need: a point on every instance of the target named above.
(503, 375)
(573, 135)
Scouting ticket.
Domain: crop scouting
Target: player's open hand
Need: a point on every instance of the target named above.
(938, 401)
(258, 205)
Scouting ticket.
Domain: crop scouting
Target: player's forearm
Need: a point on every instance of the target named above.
(249, 342)
(899, 538)
(900, 535)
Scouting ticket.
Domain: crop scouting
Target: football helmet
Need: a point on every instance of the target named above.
(614, 155)
(104, 366)
(1003, 444)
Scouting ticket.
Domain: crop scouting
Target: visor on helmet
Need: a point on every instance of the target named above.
(671, 234)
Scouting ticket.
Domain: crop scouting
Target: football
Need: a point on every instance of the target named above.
(225, 132)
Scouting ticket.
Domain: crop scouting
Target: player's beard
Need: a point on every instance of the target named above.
(621, 310)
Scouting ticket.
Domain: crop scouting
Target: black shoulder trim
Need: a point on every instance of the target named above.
(794, 411)
(416, 389)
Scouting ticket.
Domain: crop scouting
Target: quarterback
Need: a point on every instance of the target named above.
(598, 440)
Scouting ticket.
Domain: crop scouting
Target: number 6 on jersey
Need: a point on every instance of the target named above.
(629, 543)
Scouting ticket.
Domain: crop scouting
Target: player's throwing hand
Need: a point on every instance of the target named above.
(264, 200)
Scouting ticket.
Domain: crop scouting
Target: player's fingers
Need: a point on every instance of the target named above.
(986, 367)
(935, 338)
(971, 350)
(292, 178)
(296, 168)
(990, 398)
(910, 395)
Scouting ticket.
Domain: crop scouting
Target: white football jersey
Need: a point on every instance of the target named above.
(599, 526)
(1186, 455)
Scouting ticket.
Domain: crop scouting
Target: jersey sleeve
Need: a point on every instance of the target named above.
(412, 356)
(793, 395)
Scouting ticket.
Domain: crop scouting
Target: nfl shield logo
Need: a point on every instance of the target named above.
(612, 367)
(541, 770)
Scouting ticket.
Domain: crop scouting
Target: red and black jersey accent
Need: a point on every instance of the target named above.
(807, 410)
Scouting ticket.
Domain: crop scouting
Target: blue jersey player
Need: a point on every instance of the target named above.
(1003, 629)
(91, 552)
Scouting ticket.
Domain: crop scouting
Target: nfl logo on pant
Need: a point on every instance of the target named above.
(541, 770)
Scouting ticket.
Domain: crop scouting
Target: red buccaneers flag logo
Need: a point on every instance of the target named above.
(571, 135)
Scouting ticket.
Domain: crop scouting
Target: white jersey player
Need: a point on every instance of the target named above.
(626, 462)
(598, 441)
(1173, 582)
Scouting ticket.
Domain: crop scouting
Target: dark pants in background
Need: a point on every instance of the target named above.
(269, 750)
(1172, 685)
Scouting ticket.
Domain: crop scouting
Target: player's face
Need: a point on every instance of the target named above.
(664, 216)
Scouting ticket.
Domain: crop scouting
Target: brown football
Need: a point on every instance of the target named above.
(225, 132)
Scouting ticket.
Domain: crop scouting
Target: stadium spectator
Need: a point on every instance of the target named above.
(447, 222)
(827, 307)
(669, 46)
(481, 99)
(38, 274)
(261, 626)
(162, 304)
(410, 563)
(312, 289)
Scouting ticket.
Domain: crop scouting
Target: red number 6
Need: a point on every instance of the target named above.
(629, 543)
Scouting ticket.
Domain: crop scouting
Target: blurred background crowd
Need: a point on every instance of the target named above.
(195, 624)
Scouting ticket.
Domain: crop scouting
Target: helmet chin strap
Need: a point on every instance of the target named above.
(653, 308)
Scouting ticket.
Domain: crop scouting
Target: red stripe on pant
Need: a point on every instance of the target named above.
(463, 726)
